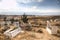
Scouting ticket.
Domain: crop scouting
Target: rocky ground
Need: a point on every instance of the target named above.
(30, 35)
(37, 33)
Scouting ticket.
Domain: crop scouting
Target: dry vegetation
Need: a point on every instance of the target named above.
(38, 31)
(30, 35)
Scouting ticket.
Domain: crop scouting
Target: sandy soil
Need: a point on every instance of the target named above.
(30, 35)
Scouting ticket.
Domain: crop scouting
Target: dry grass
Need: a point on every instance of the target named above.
(30, 35)
(34, 35)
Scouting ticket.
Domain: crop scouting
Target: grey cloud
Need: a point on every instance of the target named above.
(28, 1)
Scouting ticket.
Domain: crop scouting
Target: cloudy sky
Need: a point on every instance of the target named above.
(30, 6)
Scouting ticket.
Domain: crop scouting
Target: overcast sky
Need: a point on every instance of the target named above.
(30, 6)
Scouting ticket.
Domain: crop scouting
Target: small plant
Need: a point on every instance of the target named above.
(40, 31)
(12, 20)
(33, 35)
(4, 18)
(28, 28)
(24, 18)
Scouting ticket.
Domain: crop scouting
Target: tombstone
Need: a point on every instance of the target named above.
(16, 24)
(13, 32)
(51, 29)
